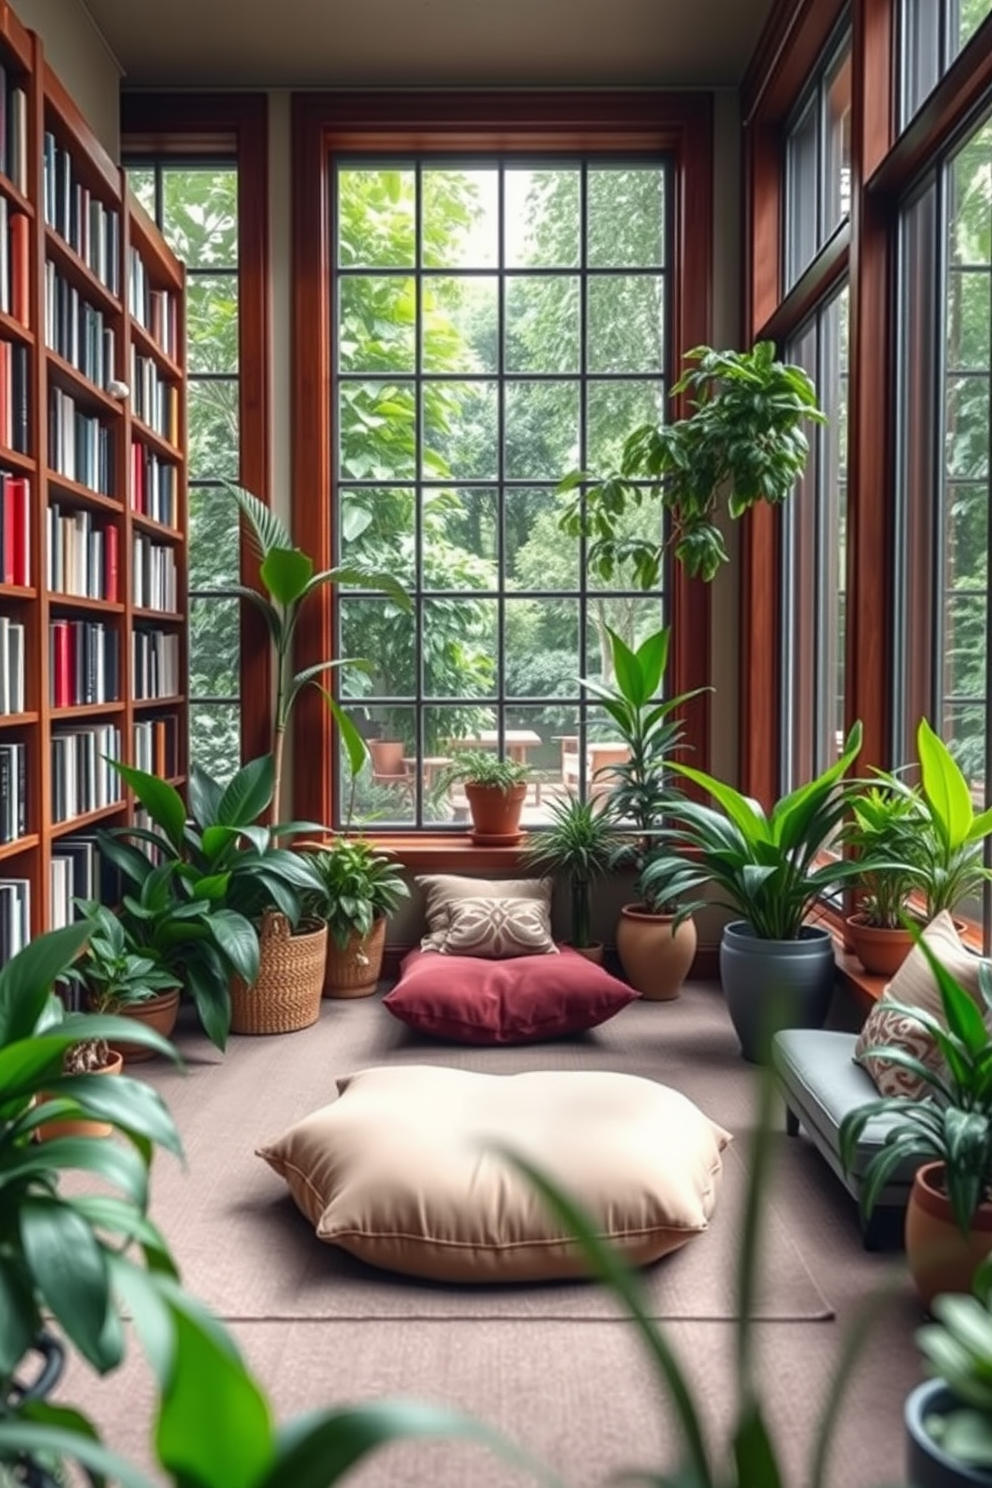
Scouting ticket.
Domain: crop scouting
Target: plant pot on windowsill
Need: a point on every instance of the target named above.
(495, 789)
(880, 950)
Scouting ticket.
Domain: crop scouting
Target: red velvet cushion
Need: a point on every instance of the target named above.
(473, 1001)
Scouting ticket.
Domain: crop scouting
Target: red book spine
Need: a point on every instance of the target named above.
(111, 567)
(19, 533)
(62, 663)
(20, 298)
(8, 519)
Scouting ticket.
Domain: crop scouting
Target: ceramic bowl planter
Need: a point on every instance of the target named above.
(353, 970)
(655, 957)
(927, 1464)
(939, 1257)
(773, 984)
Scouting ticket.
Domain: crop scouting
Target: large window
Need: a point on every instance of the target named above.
(818, 163)
(496, 323)
(932, 33)
(195, 204)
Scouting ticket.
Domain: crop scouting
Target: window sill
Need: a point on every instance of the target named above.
(447, 852)
(867, 988)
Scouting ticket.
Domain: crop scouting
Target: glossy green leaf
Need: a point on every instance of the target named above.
(944, 786)
(70, 1272)
(26, 980)
(248, 794)
(162, 801)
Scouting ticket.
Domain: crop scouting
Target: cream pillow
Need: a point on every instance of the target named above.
(443, 890)
(915, 985)
(404, 1169)
(498, 929)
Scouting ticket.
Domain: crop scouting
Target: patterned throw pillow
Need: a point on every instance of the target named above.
(442, 891)
(498, 929)
(915, 986)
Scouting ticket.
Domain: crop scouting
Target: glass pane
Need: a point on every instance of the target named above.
(612, 410)
(375, 225)
(214, 446)
(376, 528)
(213, 538)
(965, 619)
(542, 648)
(142, 183)
(626, 224)
(213, 647)
(626, 323)
(837, 204)
(376, 429)
(460, 430)
(801, 192)
(215, 738)
(965, 560)
(542, 323)
(963, 729)
(538, 555)
(377, 320)
(972, 13)
(460, 647)
(212, 323)
(967, 414)
(383, 635)
(460, 316)
(634, 618)
(460, 539)
(542, 429)
(921, 59)
(969, 319)
(461, 218)
(971, 204)
(542, 218)
(200, 214)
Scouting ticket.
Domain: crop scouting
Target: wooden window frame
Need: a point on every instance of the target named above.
(185, 124)
(681, 124)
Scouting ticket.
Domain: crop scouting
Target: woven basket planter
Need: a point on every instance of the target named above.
(287, 994)
(353, 970)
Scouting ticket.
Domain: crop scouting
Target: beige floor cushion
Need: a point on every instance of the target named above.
(403, 1169)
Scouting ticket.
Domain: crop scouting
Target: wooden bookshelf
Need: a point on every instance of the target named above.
(92, 417)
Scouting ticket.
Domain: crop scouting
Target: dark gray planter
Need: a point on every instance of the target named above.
(927, 1465)
(773, 984)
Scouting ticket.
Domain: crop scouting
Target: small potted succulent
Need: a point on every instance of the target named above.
(495, 789)
(579, 842)
(885, 834)
(361, 886)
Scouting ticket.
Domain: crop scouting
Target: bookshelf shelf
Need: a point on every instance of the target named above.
(90, 296)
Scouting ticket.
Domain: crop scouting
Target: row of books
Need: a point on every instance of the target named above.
(77, 330)
(84, 663)
(154, 399)
(15, 528)
(155, 309)
(82, 556)
(78, 870)
(154, 579)
(154, 664)
(155, 746)
(15, 277)
(11, 665)
(15, 916)
(154, 485)
(13, 791)
(82, 777)
(13, 131)
(14, 396)
(79, 217)
(80, 445)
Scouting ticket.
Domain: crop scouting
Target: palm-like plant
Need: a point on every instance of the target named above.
(290, 578)
(579, 841)
(885, 831)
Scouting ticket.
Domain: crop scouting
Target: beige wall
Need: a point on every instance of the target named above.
(85, 64)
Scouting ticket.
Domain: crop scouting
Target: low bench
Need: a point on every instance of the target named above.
(820, 1083)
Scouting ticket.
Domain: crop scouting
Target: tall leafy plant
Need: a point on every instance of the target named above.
(744, 440)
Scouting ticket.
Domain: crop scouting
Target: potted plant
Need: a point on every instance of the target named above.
(743, 441)
(117, 975)
(290, 578)
(655, 944)
(885, 834)
(360, 886)
(770, 869)
(580, 842)
(949, 1128)
(495, 789)
(244, 966)
(949, 1416)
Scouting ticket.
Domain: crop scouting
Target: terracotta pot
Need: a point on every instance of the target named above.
(654, 959)
(159, 1013)
(939, 1257)
(387, 759)
(495, 813)
(82, 1126)
(880, 951)
(353, 970)
(596, 953)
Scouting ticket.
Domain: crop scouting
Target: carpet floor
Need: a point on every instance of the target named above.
(551, 1365)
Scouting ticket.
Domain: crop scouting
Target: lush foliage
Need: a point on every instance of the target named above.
(952, 865)
(884, 832)
(957, 1348)
(198, 895)
(768, 868)
(744, 436)
(482, 767)
(580, 841)
(114, 970)
(952, 1122)
(359, 884)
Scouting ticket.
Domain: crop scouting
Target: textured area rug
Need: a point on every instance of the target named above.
(247, 1252)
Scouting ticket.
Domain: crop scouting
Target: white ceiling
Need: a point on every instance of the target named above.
(444, 43)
